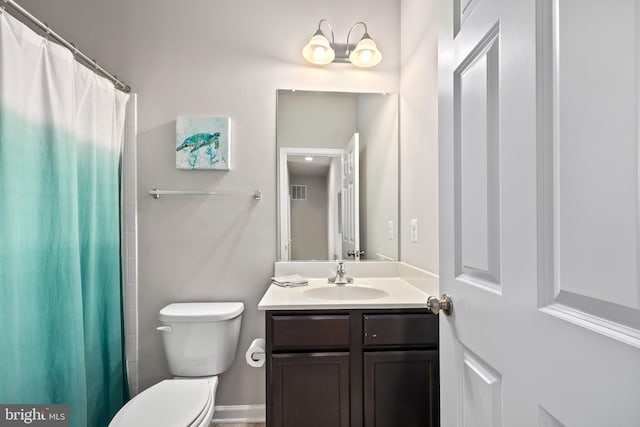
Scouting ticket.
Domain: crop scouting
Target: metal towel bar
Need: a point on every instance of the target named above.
(155, 193)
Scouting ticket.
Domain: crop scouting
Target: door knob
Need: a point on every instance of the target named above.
(444, 303)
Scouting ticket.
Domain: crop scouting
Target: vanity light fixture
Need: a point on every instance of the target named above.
(321, 51)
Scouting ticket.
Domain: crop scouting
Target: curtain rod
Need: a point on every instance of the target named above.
(80, 56)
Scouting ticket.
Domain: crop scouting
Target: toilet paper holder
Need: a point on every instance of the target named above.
(255, 354)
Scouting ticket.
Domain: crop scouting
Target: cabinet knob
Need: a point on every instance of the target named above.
(444, 303)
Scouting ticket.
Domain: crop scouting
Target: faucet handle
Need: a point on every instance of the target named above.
(341, 276)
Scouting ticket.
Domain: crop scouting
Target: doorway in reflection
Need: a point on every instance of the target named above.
(309, 194)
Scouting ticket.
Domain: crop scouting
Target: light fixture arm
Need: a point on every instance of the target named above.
(320, 33)
(366, 34)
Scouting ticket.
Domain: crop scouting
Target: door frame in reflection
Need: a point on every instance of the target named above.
(284, 230)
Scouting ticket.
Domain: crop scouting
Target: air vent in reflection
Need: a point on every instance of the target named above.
(298, 192)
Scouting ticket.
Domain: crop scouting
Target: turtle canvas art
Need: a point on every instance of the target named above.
(202, 143)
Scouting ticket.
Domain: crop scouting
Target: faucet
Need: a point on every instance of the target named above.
(341, 276)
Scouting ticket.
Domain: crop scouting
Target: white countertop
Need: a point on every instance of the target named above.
(401, 294)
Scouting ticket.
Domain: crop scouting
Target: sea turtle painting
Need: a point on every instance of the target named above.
(202, 142)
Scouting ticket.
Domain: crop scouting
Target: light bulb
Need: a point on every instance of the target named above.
(318, 53)
(318, 50)
(365, 56)
(366, 53)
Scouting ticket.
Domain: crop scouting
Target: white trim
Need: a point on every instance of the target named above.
(227, 414)
(283, 190)
(597, 324)
(129, 244)
(283, 207)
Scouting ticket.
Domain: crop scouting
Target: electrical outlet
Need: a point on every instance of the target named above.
(413, 230)
(390, 230)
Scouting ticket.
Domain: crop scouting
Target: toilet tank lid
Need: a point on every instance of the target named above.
(200, 311)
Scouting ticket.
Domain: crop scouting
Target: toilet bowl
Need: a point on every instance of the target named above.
(200, 341)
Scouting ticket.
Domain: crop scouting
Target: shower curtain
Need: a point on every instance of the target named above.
(61, 129)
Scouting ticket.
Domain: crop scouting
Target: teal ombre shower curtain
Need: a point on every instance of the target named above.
(61, 129)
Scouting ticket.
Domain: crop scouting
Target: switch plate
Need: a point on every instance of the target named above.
(413, 230)
(390, 230)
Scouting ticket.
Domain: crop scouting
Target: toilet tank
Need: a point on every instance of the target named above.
(200, 339)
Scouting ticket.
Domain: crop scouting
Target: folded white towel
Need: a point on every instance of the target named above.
(290, 285)
(290, 281)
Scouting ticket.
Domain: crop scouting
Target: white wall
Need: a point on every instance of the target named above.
(419, 132)
(223, 57)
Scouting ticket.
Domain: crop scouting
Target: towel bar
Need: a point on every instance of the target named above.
(155, 193)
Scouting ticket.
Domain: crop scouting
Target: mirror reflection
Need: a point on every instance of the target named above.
(337, 176)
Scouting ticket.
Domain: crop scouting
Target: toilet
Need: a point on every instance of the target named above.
(200, 342)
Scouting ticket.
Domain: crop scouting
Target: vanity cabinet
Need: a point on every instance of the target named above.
(352, 368)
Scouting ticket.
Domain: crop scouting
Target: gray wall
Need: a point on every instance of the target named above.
(309, 219)
(223, 57)
(317, 120)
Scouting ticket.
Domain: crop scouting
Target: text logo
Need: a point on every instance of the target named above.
(34, 415)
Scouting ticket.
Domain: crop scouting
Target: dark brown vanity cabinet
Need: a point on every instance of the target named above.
(352, 368)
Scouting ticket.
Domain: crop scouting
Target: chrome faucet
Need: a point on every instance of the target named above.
(341, 276)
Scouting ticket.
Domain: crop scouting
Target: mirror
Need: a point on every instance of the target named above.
(337, 176)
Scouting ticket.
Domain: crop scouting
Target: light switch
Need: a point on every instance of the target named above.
(413, 230)
(390, 230)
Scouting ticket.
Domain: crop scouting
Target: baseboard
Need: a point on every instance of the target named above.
(226, 414)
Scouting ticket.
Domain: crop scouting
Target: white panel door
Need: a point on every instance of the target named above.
(539, 158)
(351, 199)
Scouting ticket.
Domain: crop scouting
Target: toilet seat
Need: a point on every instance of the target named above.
(171, 403)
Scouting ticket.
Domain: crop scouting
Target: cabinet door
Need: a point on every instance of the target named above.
(401, 389)
(310, 390)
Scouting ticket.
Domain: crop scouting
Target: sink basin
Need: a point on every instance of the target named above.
(346, 292)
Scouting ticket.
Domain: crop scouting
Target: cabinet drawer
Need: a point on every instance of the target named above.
(400, 330)
(307, 332)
